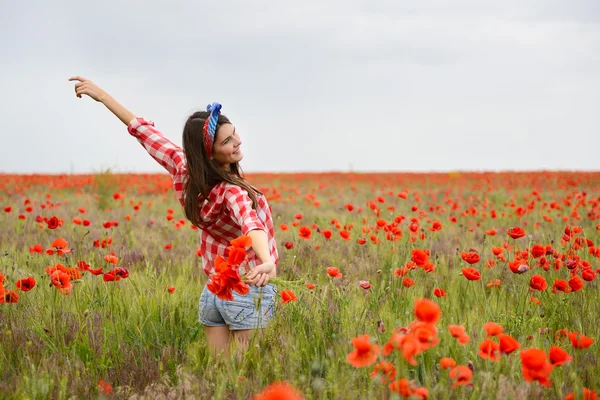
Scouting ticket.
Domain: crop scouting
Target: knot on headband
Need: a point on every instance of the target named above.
(210, 126)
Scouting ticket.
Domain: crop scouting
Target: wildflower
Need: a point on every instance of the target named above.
(26, 284)
(538, 282)
(490, 350)
(459, 332)
(61, 281)
(59, 246)
(447, 362)
(105, 388)
(461, 375)
(472, 257)
(535, 366)
(305, 232)
(559, 356)
(515, 232)
(508, 344)
(365, 285)
(287, 296)
(492, 328)
(279, 391)
(52, 223)
(427, 311)
(365, 353)
(408, 282)
(384, 370)
(587, 393)
(334, 272)
(579, 340)
(471, 274)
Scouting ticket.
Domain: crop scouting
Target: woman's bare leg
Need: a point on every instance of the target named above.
(241, 338)
(218, 338)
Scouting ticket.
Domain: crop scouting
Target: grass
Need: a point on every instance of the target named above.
(147, 342)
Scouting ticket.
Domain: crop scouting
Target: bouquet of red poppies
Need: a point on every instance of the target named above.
(227, 276)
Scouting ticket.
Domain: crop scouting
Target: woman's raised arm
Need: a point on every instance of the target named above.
(85, 86)
(165, 152)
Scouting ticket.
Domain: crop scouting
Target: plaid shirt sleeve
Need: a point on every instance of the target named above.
(167, 153)
(241, 211)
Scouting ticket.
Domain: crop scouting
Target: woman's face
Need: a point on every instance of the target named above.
(227, 144)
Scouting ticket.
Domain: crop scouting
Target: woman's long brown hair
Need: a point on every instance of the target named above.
(204, 173)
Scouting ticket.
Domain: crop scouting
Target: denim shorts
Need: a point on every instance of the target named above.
(250, 311)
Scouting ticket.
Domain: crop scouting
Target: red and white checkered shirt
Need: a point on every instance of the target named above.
(226, 214)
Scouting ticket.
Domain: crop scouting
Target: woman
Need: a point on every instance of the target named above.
(218, 200)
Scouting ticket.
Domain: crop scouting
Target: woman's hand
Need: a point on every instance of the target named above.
(259, 275)
(85, 86)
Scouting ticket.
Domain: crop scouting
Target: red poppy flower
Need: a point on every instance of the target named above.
(287, 296)
(508, 344)
(538, 250)
(105, 388)
(365, 353)
(333, 272)
(494, 283)
(36, 249)
(559, 356)
(402, 387)
(427, 311)
(26, 284)
(408, 282)
(535, 366)
(447, 362)
(472, 257)
(515, 232)
(461, 375)
(242, 242)
(471, 274)
(538, 282)
(236, 255)
(305, 232)
(225, 280)
(278, 391)
(437, 292)
(490, 350)
(8, 296)
(420, 257)
(53, 222)
(62, 281)
(492, 328)
(587, 394)
(575, 283)
(384, 370)
(579, 340)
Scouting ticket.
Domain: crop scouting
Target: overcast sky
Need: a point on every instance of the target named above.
(315, 85)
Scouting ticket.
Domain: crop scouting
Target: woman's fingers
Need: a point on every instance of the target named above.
(264, 280)
(77, 78)
(80, 91)
(256, 281)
